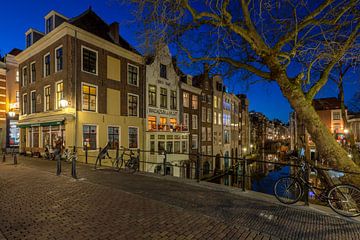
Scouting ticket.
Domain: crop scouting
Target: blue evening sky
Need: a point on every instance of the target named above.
(20, 15)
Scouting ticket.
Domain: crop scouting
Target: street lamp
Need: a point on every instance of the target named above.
(63, 103)
(346, 131)
(12, 114)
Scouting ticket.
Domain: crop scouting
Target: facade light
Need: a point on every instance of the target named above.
(64, 103)
(12, 114)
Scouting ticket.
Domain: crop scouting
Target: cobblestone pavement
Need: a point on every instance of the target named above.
(34, 204)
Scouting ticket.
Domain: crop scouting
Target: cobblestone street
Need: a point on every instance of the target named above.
(103, 204)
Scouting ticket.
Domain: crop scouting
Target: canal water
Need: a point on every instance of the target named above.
(264, 181)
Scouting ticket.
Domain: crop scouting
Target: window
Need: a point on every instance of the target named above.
(194, 102)
(17, 96)
(203, 114)
(194, 141)
(173, 123)
(49, 24)
(203, 134)
(35, 137)
(194, 122)
(58, 59)
(215, 101)
(29, 40)
(209, 134)
(47, 98)
(169, 147)
(163, 72)
(208, 118)
(133, 137)
(89, 98)
(133, 75)
(47, 65)
(173, 101)
(152, 95)
(161, 146)
(24, 76)
(25, 104)
(226, 137)
(163, 97)
(113, 137)
(17, 76)
(33, 102)
(336, 115)
(220, 122)
(152, 147)
(184, 146)
(186, 99)
(151, 123)
(177, 147)
(215, 117)
(89, 136)
(163, 123)
(133, 105)
(186, 121)
(33, 72)
(59, 93)
(89, 60)
(209, 152)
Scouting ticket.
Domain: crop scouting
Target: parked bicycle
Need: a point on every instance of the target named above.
(344, 199)
(131, 165)
(49, 153)
(69, 156)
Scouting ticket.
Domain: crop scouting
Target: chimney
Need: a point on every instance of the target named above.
(114, 32)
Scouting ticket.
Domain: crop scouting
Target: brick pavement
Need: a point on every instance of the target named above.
(159, 208)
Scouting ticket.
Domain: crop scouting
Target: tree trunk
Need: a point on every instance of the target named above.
(321, 136)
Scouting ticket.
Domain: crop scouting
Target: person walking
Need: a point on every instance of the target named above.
(57, 153)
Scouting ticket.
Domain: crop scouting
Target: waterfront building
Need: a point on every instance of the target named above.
(164, 131)
(81, 82)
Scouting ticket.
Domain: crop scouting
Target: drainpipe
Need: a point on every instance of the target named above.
(75, 90)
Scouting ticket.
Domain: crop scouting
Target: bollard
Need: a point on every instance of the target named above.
(244, 176)
(306, 188)
(15, 159)
(198, 167)
(58, 164)
(164, 164)
(3, 157)
(99, 156)
(86, 154)
(73, 167)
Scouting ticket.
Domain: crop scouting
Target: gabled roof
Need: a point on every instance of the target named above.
(91, 22)
(326, 103)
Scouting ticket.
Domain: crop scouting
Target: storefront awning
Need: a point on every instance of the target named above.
(42, 124)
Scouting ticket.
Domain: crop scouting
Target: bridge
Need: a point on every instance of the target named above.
(104, 204)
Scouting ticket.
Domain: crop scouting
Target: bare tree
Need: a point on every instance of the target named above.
(281, 41)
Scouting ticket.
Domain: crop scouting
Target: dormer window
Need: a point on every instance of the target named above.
(29, 39)
(49, 24)
(163, 71)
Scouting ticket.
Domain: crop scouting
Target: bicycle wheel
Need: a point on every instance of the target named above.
(288, 190)
(344, 199)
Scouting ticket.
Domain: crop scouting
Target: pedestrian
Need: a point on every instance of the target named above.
(57, 153)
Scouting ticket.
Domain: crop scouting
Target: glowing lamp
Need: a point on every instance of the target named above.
(64, 103)
(12, 114)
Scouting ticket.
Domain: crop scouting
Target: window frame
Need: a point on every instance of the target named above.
(97, 135)
(82, 60)
(151, 94)
(25, 106)
(137, 77)
(192, 121)
(137, 138)
(32, 80)
(44, 65)
(197, 141)
(119, 134)
(173, 100)
(31, 102)
(162, 67)
(45, 87)
(162, 96)
(56, 59)
(188, 99)
(82, 98)
(137, 104)
(24, 82)
(57, 103)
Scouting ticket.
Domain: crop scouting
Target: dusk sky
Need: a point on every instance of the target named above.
(263, 96)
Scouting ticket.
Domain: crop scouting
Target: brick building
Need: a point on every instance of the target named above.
(80, 79)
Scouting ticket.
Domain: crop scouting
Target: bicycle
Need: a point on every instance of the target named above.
(131, 165)
(344, 199)
(69, 156)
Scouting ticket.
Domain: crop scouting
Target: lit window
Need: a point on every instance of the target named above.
(47, 98)
(186, 121)
(186, 99)
(152, 95)
(89, 98)
(194, 122)
(59, 94)
(194, 102)
(163, 123)
(194, 141)
(152, 123)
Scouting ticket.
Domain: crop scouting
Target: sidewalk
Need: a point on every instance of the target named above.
(106, 204)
